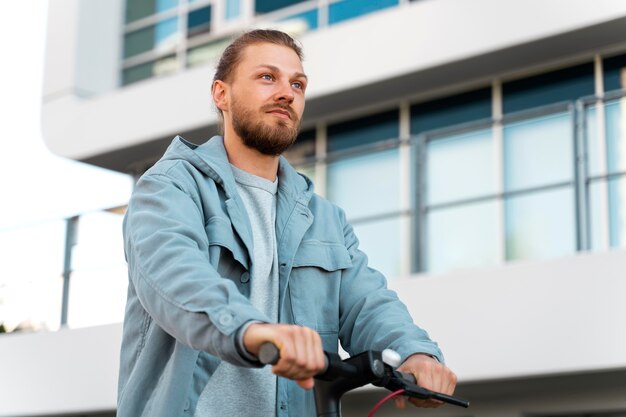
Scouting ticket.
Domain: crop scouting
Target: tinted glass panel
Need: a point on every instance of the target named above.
(607, 212)
(553, 87)
(136, 9)
(161, 66)
(364, 131)
(598, 223)
(594, 154)
(460, 166)
(614, 73)
(540, 225)
(366, 185)
(462, 237)
(381, 242)
(617, 212)
(450, 111)
(266, 6)
(615, 115)
(538, 152)
(348, 9)
(199, 21)
(162, 35)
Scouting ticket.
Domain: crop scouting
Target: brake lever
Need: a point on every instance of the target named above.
(396, 380)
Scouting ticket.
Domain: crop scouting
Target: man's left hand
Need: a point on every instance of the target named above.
(430, 374)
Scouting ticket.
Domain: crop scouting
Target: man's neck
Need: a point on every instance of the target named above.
(250, 160)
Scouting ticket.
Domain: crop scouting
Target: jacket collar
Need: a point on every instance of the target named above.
(211, 159)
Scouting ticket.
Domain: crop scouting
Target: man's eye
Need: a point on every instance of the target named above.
(267, 77)
(298, 85)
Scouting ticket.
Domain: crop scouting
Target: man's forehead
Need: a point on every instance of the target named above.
(271, 55)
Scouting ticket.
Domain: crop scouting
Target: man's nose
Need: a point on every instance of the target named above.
(284, 92)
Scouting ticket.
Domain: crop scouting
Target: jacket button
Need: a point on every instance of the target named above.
(225, 319)
(245, 277)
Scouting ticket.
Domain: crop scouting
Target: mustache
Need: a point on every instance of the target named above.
(285, 107)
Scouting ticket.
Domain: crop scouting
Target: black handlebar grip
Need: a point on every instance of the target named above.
(269, 354)
(450, 400)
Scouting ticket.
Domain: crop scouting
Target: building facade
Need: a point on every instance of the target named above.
(490, 139)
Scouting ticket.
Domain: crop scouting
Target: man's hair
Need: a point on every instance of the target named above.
(233, 53)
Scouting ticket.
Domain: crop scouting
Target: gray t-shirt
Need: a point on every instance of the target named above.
(233, 390)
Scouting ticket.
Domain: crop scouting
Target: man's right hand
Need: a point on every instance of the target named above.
(301, 353)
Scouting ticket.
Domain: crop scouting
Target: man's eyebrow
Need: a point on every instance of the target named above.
(276, 69)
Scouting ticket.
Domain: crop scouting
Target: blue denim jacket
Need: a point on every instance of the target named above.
(188, 245)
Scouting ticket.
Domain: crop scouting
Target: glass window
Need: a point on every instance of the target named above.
(615, 116)
(233, 9)
(607, 198)
(302, 22)
(538, 152)
(266, 6)
(99, 281)
(597, 194)
(348, 9)
(553, 87)
(208, 52)
(381, 241)
(199, 21)
(163, 35)
(594, 156)
(364, 131)
(540, 225)
(462, 236)
(617, 212)
(31, 276)
(163, 66)
(366, 185)
(460, 167)
(450, 111)
(614, 73)
(137, 9)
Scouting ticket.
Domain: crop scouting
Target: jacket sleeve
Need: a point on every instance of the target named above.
(167, 250)
(371, 315)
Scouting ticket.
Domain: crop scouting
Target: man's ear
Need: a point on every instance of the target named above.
(220, 97)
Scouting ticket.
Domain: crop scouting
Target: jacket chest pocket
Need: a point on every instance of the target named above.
(227, 254)
(315, 283)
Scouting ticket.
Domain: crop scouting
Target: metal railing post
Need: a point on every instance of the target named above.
(71, 227)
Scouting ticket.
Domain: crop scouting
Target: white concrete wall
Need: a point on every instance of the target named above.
(526, 319)
(99, 47)
(68, 371)
(520, 320)
(401, 40)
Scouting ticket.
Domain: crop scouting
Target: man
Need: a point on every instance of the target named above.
(228, 248)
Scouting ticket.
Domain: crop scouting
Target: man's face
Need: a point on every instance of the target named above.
(267, 97)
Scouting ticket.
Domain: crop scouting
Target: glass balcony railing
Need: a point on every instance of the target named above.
(87, 250)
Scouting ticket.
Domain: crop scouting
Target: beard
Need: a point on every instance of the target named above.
(268, 138)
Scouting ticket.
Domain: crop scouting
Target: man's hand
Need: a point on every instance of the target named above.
(430, 374)
(301, 353)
